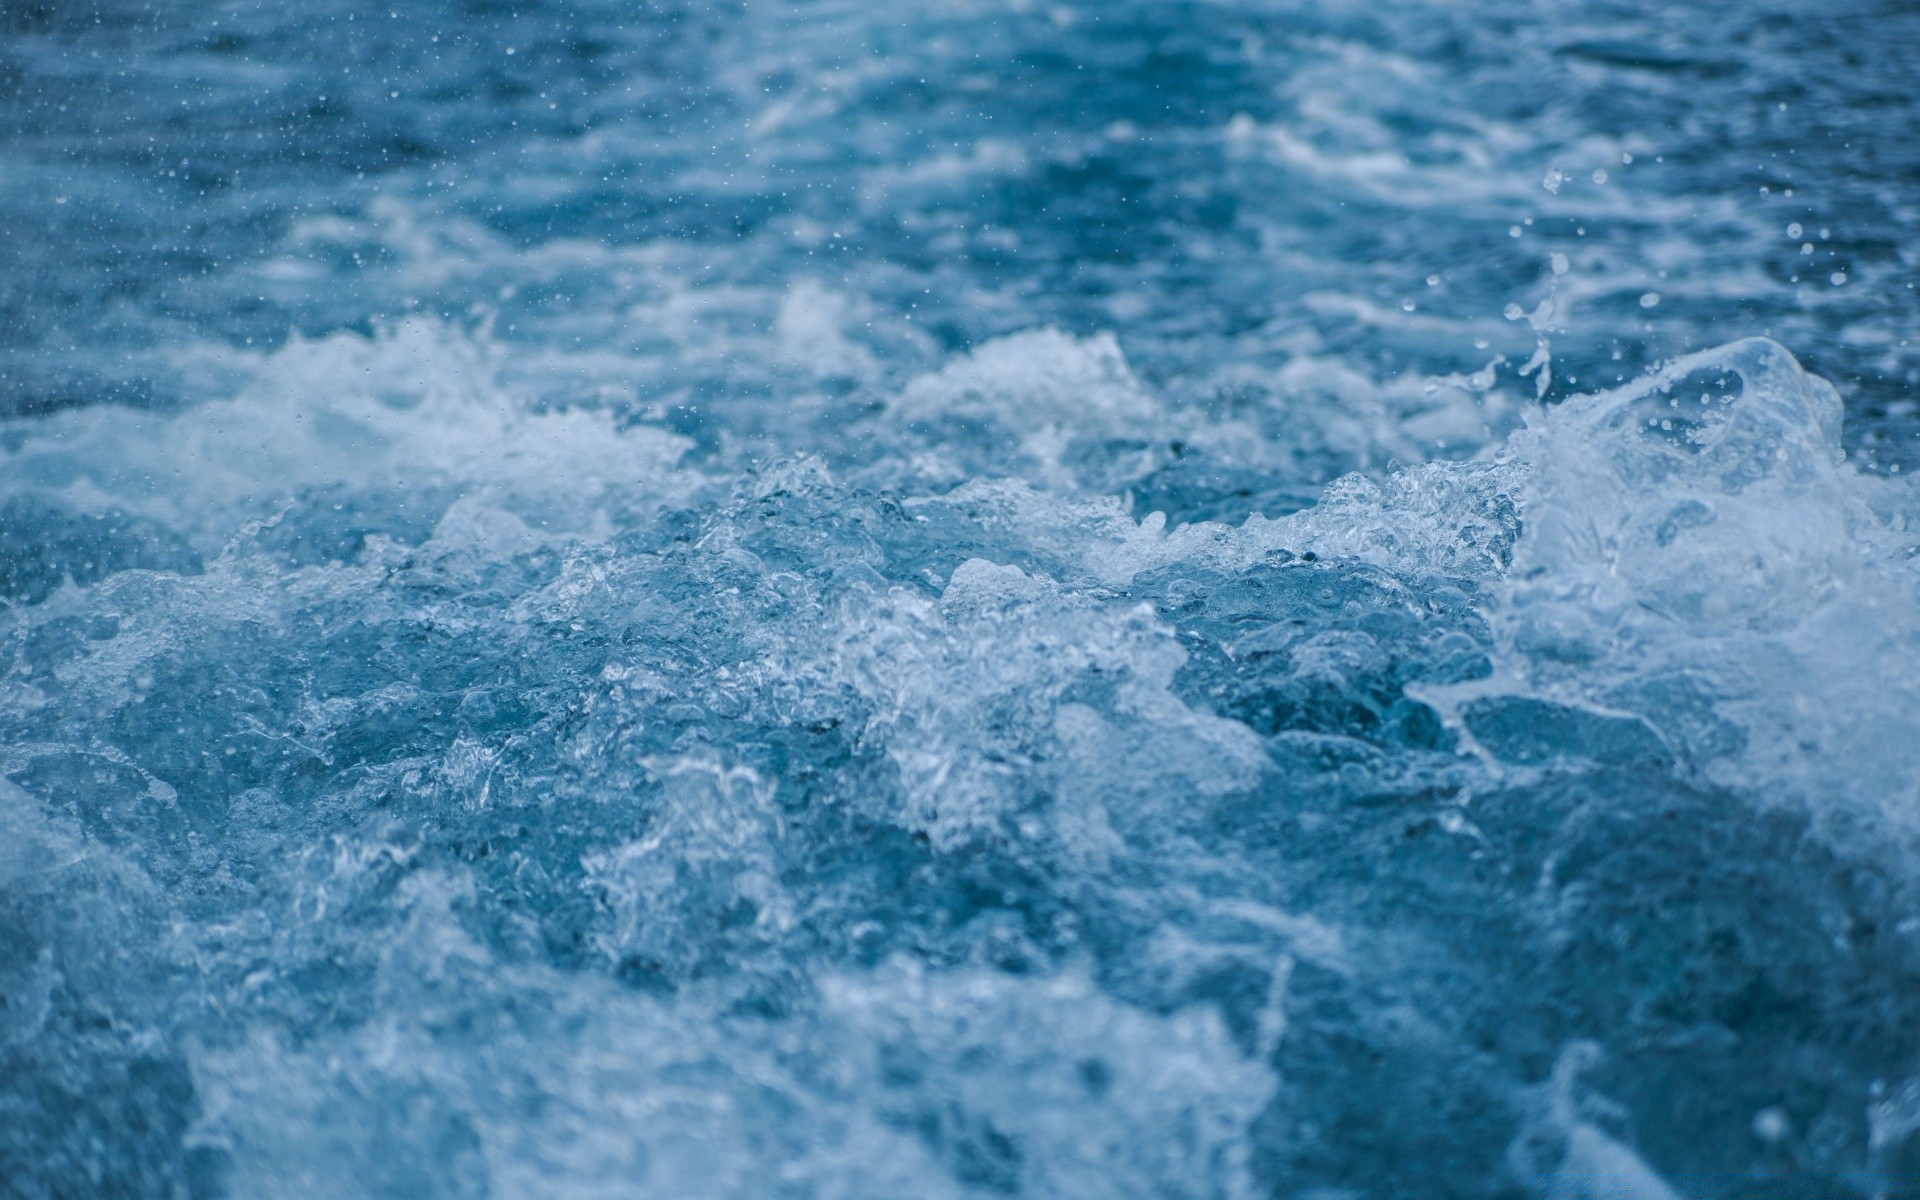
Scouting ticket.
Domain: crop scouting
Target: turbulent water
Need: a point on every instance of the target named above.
(959, 598)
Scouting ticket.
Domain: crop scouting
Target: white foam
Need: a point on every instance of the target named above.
(417, 405)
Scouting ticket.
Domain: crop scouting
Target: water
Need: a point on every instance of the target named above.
(971, 599)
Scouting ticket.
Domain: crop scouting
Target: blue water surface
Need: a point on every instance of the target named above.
(1161, 598)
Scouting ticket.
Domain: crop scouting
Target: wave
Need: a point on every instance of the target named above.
(489, 797)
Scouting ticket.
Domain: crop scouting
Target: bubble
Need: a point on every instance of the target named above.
(1600, 176)
(1838, 278)
(1560, 264)
(1513, 312)
(1794, 230)
(1650, 299)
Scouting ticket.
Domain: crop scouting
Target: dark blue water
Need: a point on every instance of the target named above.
(1160, 599)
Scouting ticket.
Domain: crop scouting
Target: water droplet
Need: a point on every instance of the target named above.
(1649, 299)
(1560, 264)
(1513, 312)
(1838, 278)
(1600, 176)
(1794, 230)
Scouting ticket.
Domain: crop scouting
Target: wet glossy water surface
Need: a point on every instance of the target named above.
(1195, 598)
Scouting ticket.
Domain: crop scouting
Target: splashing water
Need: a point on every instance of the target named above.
(953, 600)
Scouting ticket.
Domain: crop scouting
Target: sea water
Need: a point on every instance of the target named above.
(959, 598)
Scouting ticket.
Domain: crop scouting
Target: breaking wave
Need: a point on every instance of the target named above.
(540, 716)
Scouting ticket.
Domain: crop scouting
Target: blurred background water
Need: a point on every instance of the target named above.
(1157, 598)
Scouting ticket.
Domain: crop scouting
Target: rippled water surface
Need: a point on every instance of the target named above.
(1197, 598)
